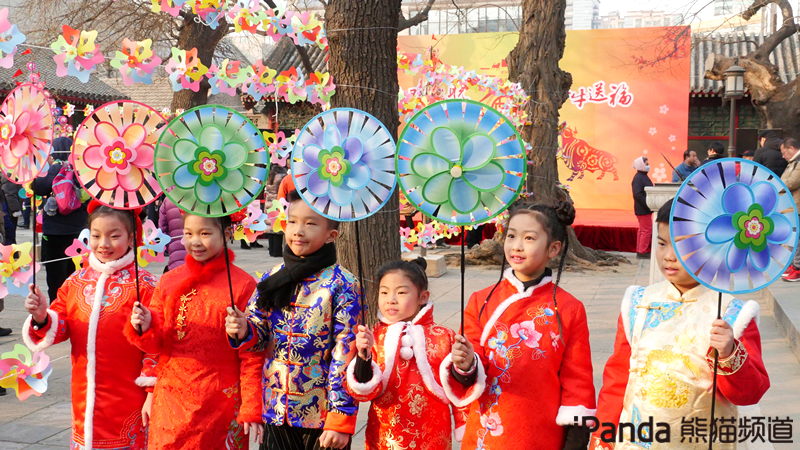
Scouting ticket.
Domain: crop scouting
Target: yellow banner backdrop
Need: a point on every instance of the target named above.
(629, 98)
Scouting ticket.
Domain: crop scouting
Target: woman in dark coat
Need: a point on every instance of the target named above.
(640, 208)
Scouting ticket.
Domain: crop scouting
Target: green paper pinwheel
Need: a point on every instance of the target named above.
(211, 161)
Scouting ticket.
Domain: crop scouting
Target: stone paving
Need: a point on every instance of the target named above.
(44, 422)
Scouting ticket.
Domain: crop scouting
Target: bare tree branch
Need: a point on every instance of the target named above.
(787, 29)
(418, 18)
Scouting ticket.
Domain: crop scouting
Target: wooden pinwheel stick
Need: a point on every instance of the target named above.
(136, 263)
(714, 382)
(463, 263)
(228, 267)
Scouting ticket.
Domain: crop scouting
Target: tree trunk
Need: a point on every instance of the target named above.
(534, 64)
(366, 56)
(205, 40)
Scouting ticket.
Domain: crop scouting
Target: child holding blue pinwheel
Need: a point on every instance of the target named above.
(663, 360)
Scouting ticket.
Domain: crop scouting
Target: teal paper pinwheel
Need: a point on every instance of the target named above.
(460, 162)
(210, 154)
(734, 233)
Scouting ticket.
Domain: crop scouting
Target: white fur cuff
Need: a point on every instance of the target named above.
(364, 389)
(750, 311)
(458, 433)
(143, 381)
(473, 393)
(569, 415)
(49, 337)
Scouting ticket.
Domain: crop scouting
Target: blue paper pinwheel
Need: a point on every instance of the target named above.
(342, 164)
(734, 233)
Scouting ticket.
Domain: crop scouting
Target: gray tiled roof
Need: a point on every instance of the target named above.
(786, 56)
(284, 56)
(70, 88)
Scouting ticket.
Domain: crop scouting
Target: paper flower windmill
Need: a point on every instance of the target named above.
(734, 234)
(211, 154)
(246, 15)
(226, 77)
(154, 244)
(15, 268)
(341, 164)
(26, 133)
(24, 372)
(76, 53)
(10, 37)
(259, 80)
(253, 226)
(136, 62)
(113, 154)
(79, 250)
(460, 162)
(185, 69)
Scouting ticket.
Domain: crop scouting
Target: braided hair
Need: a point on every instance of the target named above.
(554, 219)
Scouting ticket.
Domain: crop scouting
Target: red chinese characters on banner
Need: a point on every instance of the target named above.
(619, 95)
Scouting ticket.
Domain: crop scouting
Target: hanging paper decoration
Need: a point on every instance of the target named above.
(253, 226)
(292, 85)
(136, 61)
(185, 69)
(10, 38)
(279, 147)
(171, 7)
(16, 268)
(24, 372)
(79, 250)
(307, 30)
(276, 215)
(209, 11)
(460, 162)
(76, 53)
(26, 133)
(320, 88)
(88, 110)
(341, 164)
(259, 80)
(275, 25)
(211, 154)
(734, 233)
(113, 154)
(154, 244)
(246, 15)
(225, 78)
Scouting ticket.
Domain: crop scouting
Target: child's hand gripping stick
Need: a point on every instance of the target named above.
(364, 342)
(236, 324)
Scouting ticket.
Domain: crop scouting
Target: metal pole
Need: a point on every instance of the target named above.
(732, 133)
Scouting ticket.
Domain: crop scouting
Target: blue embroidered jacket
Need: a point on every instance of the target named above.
(308, 347)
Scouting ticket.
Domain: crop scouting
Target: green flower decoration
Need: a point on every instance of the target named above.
(753, 228)
(333, 166)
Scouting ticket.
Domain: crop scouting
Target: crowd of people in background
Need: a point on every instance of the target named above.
(778, 155)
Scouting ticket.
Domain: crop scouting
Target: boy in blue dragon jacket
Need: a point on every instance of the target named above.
(304, 314)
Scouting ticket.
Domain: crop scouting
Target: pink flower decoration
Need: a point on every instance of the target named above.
(120, 157)
(492, 423)
(527, 332)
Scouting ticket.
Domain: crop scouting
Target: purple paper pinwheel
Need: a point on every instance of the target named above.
(343, 165)
(734, 233)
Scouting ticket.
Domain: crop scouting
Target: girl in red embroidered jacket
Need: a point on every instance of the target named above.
(409, 407)
(207, 395)
(525, 366)
(110, 376)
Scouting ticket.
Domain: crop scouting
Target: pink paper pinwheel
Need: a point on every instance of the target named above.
(136, 61)
(292, 85)
(253, 226)
(26, 133)
(259, 80)
(276, 215)
(276, 23)
(171, 7)
(76, 53)
(155, 242)
(113, 154)
(15, 268)
(10, 37)
(320, 88)
(246, 15)
(279, 147)
(79, 250)
(26, 374)
(185, 69)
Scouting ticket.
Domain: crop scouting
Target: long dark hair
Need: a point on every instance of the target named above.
(554, 219)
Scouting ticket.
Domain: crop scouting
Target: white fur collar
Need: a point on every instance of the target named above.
(110, 267)
(509, 275)
(106, 270)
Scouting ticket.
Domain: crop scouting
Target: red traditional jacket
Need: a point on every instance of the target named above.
(532, 380)
(204, 389)
(662, 364)
(409, 408)
(109, 375)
